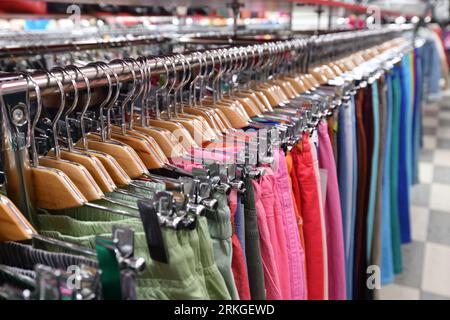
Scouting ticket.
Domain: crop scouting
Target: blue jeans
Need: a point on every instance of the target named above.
(431, 69)
(404, 176)
(346, 181)
(387, 267)
(239, 223)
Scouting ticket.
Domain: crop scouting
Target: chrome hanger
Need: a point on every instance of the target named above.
(35, 163)
(158, 92)
(134, 183)
(82, 119)
(129, 95)
(58, 153)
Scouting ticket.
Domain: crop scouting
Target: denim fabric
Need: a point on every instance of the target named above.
(375, 258)
(239, 223)
(417, 127)
(395, 146)
(431, 69)
(373, 169)
(347, 177)
(238, 265)
(350, 262)
(404, 153)
(345, 172)
(387, 268)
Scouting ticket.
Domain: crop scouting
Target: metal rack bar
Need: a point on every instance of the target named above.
(13, 94)
(23, 51)
(14, 83)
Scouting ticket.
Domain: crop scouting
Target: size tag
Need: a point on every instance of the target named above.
(153, 232)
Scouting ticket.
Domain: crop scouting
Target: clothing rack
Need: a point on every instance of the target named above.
(24, 51)
(348, 43)
(14, 89)
(266, 150)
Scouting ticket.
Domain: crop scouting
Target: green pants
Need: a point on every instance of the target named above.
(219, 225)
(215, 283)
(160, 281)
(189, 250)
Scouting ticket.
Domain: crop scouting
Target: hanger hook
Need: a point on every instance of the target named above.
(186, 79)
(130, 93)
(170, 60)
(109, 104)
(58, 113)
(244, 52)
(181, 82)
(97, 65)
(147, 87)
(37, 90)
(85, 107)
(72, 107)
(134, 97)
(159, 90)
(196, 79)
(173, 82)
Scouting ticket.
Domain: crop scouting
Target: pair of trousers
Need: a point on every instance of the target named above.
(321, 191)
(373, 187)
(272, 206)
(312, 224)
(271, 276)
(296, 254)
(253, 255)
(386, 264)
(405, 160)
(395, 150)
(177, 279)
(375, 258)
(333, 219)
(239, 222)
(196, 245)
(347, 176)
(295, 190)
(219, 223)
(360, 221)
(238, 265)
(417, 128)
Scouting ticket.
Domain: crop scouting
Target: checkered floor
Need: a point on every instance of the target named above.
(426, 263)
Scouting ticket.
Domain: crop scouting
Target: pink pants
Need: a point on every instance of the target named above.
(271, 275)
(333, 219)
(271, 201)
(295, 251)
